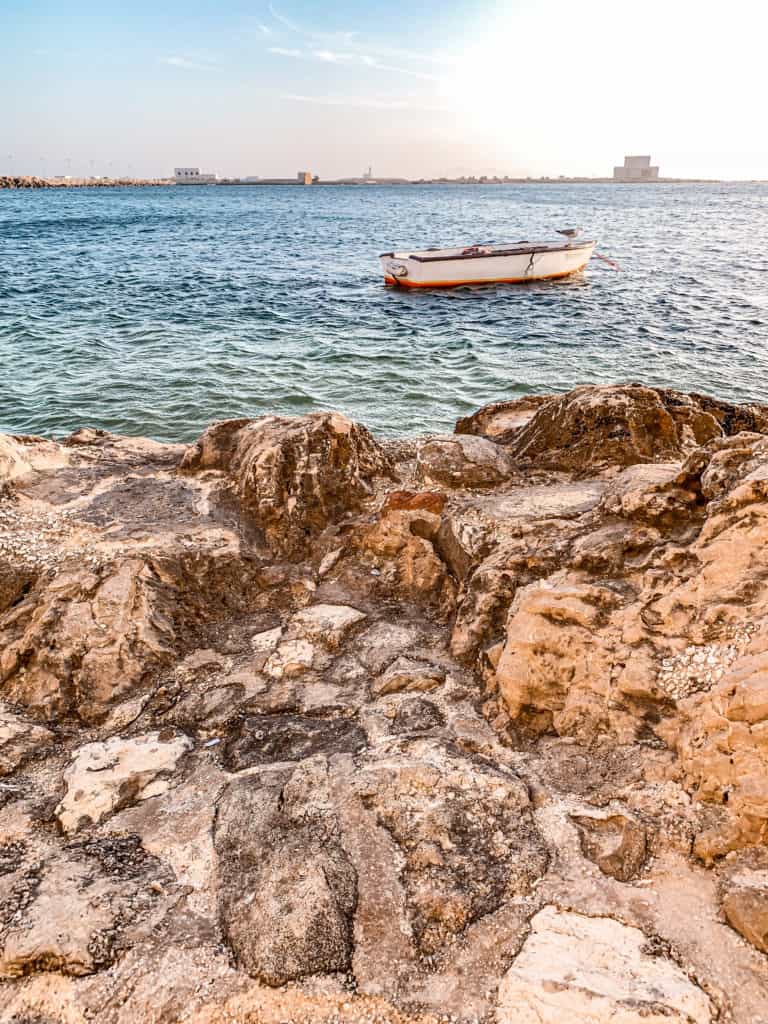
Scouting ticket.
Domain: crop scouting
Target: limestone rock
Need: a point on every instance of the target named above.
(721, 741)
(417, 716)
(328, 624)
(376, 806)
(407, 674)
(294, 474)
(66, 912)
(19, 740)
(614, 840)
(501, 419)
(104, 777)
(267, 640)
(595, 971)
(79, 641)
(415, 501)
(292, 658)
(461, 460)
(21, 457)
(652, 494)
(439, 814)
(554, 673)
(406, 539)
(744, 896)
(591, 428)
(288, 888)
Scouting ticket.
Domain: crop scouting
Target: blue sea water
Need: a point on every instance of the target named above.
(154, 311)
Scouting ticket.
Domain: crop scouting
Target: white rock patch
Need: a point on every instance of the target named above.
(327, 623)
(290, 659)
(119, 771)
(593, 970)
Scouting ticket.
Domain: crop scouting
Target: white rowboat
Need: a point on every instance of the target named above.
(513, 262)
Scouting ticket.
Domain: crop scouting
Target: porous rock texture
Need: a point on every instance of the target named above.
(300, 725)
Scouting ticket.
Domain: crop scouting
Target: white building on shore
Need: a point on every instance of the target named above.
(192, 176)
(636, 168)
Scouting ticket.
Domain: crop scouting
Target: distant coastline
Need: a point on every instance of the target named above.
(34, 182)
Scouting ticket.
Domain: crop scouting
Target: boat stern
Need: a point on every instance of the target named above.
(395, 268)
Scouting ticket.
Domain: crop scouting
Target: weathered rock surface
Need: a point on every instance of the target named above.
(744, 893)
(295, 474)
(288, 888)
(592, 428)
(300, 725)
(20, 739)
(462, 461)
(597, 971)
(104, 776)
(80, 641)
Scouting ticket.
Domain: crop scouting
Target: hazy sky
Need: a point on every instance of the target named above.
(412, 88)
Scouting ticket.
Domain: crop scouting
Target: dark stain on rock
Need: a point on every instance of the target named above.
(265, 739)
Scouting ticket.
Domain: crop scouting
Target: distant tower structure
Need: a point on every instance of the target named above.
(304, 177)
(636, 168)
(368, 174)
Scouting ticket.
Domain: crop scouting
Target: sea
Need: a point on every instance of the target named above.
(153, 311)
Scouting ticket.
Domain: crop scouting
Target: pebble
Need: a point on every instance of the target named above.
(701, 666)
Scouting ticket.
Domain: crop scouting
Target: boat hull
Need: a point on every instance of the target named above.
(513, 267)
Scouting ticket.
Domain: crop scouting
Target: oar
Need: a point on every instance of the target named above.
(611, 263)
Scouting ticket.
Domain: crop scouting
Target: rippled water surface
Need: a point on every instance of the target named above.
(154, 311)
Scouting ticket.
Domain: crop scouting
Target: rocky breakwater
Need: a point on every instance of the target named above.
(298, 725)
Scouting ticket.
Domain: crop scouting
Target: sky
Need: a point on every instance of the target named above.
(419, 89)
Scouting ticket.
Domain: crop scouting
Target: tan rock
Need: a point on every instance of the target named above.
(56, 932)
(461, 460)
(407, 674)
(614, 840)
(591, 428)
(554, 672)
(407, 539)
(595, 971)
(19, 740)
(744, 894)
(21, 457)
(104, 777)
(83, 639)
(722, 742)
(67, 911)
(502, 419)
(328, 624)
(291, 658)
(295, 475)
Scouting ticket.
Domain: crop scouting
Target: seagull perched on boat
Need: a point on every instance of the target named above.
(569, 232)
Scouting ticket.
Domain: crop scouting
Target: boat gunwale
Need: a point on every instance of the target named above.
(520, 251)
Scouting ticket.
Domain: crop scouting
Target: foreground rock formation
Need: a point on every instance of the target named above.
(298, 725)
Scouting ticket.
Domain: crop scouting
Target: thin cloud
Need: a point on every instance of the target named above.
(264, 29)
(360, 60)
(282, 51)
(186, 64)
(290, 25)
(324, 46)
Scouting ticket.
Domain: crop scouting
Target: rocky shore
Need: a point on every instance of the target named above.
(300, 725)
(32, 181)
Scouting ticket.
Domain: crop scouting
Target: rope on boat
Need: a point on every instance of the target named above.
(529, 268)
(611, 263)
